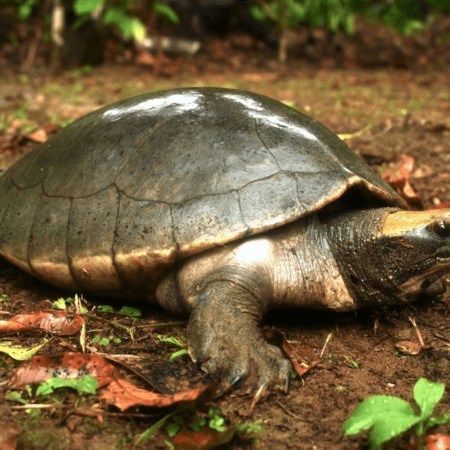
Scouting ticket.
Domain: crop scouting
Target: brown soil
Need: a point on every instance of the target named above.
(408, 114)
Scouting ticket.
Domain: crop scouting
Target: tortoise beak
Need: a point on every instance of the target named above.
(443, 257)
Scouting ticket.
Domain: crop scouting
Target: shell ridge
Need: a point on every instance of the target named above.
(264, 144)
(69, 259)
(174, 239)
(115, 233)
(27, 187)
(249, 230)
(298, 192)
(30, 237)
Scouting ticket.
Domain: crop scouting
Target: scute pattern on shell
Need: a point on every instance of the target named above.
(123, 193)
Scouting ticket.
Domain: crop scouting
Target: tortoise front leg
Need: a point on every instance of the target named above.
(225, 339)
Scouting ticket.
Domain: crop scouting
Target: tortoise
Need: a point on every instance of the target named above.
(221, 204)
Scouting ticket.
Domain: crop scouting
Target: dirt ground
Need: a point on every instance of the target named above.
(406, 114)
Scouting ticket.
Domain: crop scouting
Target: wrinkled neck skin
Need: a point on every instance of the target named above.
(305, 272)
(388, 256)
(365, 261)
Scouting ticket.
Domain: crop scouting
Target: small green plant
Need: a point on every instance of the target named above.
(174, 427)
(170, 340)
(105, 309)
(174, 341)
(125, 311)
(84, 385)
(351, 362)
(106, 341)
(216, 421)
(340, 388)
(4, 299)
(62, 303)
(130, 312)
(390, 416)
(250, 430)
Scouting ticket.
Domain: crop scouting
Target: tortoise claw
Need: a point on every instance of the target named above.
(236, 380)
(287, 385)
(262, 393)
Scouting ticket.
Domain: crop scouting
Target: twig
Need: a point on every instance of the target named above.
(419, 335)
(325, 345)
(289, 412)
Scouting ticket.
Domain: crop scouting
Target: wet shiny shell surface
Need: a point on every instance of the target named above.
(125, 192)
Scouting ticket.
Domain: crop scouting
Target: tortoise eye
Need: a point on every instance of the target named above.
(441, 228)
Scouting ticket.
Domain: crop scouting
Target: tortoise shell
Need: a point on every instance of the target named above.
(123, 193)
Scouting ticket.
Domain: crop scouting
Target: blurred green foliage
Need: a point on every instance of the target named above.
(111, 13)
(405, 16)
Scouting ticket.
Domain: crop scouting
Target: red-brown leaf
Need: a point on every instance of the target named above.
(124, 395)
(66, 365)
(58, 322)
(437, 442)
(201, 440)
(38, 136)
(8, 436)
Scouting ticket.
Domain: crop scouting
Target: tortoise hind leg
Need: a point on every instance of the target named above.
(226, 340)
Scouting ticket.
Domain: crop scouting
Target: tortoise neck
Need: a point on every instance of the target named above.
(355, 239)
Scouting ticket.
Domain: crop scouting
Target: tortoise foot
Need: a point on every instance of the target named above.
(226, 341)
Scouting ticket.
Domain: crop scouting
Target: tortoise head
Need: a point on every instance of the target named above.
(389, 256)
(419, 252)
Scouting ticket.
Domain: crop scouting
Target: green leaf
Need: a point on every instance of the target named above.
(128, 310)
(427, 394)
(166, 11)
(217, 423)
(120, 17)
(33, 413)
(178, 354)
(257, 13)
(81, 7)
(59, 304)
(105, 308)
(26, 9)
(172, 429)
(379, 408)
(44, 389)
(84, 385)
(147, 434)
(390, 427)
(15, 396)
(20, 353)
(170, 340)
(434, 421)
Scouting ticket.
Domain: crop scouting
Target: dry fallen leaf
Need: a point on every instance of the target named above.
(441, 205)
(398, 179)
(201, 440)
(295, 352)
(58, 322)
(8, 436)
(408, 348)
(66, 365)
(124, 395)
(437, 442)
(38, 136)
